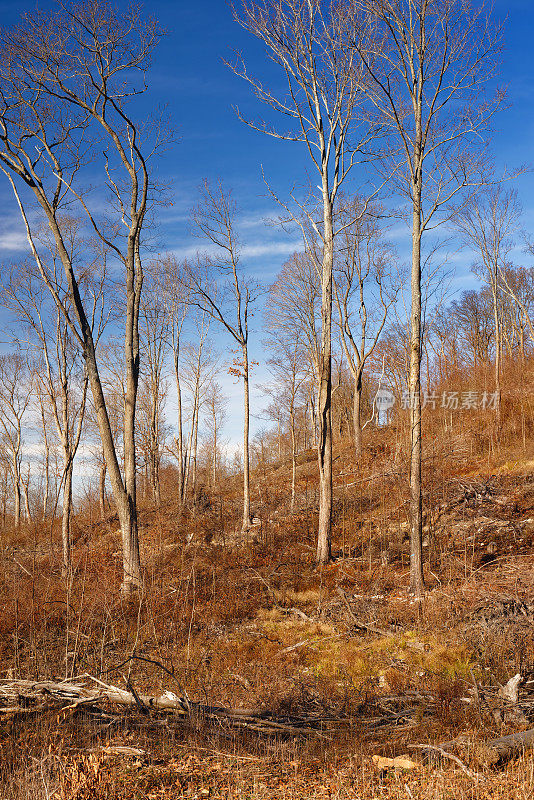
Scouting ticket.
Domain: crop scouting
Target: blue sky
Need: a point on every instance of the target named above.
(189, 77)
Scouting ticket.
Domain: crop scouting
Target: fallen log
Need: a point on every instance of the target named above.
(496, 751)
(67, 697)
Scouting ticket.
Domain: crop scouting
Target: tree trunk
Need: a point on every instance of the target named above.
(246, 458)
(46, 487)
(356, 415)
(102, 490)
(17, 493)
(25, 495)
(180, 438)
(154, 443)
(324, 398)
(498, 347)
(191, 437)
(66, 517)
(124, 501)
(128, 504)
(293, 460)
(124, 491)
(214, 459)
(195, 451)
(416, 502)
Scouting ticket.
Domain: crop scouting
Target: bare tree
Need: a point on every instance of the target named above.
(219, 287)
(198, 372)
(59, 376)
(310, 41)
(426, 86)
(15, 396)
(44, 417)
(488, 223)
(518, 287)
(66, 82)
(367, 281)
(473, 321)
(288, 368)
(175, 295)
(216, 403)
(154, 340)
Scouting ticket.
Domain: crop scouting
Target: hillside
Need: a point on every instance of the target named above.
(323, 668)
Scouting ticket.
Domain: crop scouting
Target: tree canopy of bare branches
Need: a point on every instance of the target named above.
(310, 41)
(67, 82)
(427, 85)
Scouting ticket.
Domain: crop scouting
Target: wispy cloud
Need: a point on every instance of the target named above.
(270, 248)
(13, 240)
(253, 250)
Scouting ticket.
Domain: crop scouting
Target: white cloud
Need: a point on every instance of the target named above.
(254, 250)
(13, 240)
(270, 249)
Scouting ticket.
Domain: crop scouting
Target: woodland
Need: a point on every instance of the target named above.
(339, 606)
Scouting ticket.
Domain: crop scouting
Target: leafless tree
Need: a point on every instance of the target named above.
(216, 404)
(288, 369)
(59, 377)
(310, 41)
(473, 320)
(427, 86)
(198, 371)
(175, 297)
(154, 341)
(488, 224)
(15, 397)
(367, 281)
(518, 288)
(46, 422)
(219, 287)
(67, 79)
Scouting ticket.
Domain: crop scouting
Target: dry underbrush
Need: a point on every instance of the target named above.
(252, 623)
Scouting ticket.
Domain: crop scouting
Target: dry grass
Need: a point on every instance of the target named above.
(255, 624)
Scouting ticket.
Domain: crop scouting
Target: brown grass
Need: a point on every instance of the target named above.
(223, 617)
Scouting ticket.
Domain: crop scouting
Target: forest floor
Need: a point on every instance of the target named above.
(292, 677)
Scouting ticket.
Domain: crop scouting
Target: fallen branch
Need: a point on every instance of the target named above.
(371, 628)
(445, 754)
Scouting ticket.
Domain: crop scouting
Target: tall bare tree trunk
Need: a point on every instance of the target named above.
(214, 458)
(195, 449)
(180, 438)
(416, 499)
(293, 460)
(46, 445)
(356, 415)
(25, 487)
(125, 502)
(102, 490)
(324, 399)
(17, 493)
(66, 516)
(498, 349)
(134, 281)
(246, 457)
